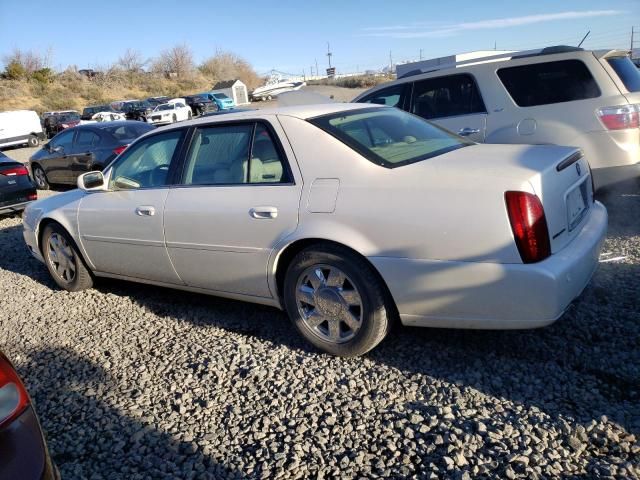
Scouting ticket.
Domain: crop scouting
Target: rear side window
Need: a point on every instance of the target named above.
(128, 131)
(446, 97)
(389, 137)
(550, 82)
(391, 96)
(627, 71)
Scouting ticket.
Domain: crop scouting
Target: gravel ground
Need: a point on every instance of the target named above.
(133, 382)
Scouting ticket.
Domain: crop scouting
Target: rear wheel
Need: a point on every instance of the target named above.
(33, 141)
(64, 261)
(336, 300)
(174, 118)
(189, 115)
(40, 178)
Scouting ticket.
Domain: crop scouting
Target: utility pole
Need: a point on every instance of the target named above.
(311, 70)
(317, 71)
(390, 63)
(420, 54)
(329, 53)
(495, 45)
(631, 49)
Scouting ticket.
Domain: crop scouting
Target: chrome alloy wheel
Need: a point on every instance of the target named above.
(61, 258)
(329, 303)
(39, 177)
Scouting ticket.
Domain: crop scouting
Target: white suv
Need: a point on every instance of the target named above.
(556, 95)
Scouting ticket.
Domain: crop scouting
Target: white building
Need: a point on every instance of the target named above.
(234, 89)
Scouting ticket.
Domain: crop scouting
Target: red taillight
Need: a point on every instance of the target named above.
(32, 196)
(14, 171)
(13, 396)
(120, 149)
(620, 117)
(529, 226)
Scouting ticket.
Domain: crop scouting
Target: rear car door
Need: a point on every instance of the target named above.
(452, 101)
(237, 200)
(121, 229)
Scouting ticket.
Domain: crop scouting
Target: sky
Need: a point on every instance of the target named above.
(290, 36)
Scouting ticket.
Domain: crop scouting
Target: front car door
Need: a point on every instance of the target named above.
(82, 157)
(121, 229)
(56, 162)
(452, 101)
(239, 196)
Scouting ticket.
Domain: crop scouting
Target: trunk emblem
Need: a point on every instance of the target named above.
(578, 169)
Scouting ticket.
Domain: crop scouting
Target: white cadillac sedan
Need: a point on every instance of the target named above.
(348, 216)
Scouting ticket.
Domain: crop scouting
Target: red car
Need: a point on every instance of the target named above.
(23, 450)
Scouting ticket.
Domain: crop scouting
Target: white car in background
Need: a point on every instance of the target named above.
(348, 216)
(108, 117)
(175, 110)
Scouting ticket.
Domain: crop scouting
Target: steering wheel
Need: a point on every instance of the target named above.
(158, 175)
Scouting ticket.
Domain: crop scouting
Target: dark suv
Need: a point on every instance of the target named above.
(54, 124)
(89, 112)
(137, 110)
(200, 104)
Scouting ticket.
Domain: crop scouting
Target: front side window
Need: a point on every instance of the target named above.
(391, 96)
(549, 82)
(446, 97)
(388, 136)
(146, 163)
(64, 140)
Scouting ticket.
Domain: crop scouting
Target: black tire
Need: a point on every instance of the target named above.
(174, 118)
(375, 311)
(40, 178)
(189, 115)
(33, 141)
(80, 277)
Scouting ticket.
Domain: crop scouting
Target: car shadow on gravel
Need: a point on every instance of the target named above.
(72, 394)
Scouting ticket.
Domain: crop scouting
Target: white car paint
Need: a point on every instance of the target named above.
(175, 110)
(437, 230)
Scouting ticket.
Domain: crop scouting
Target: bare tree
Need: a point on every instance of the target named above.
(229, 66)
(176, 61)
(131, 61)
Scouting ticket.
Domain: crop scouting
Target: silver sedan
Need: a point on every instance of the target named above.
(349, 217)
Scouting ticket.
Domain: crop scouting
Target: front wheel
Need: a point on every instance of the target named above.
(40, 178)
(33, 141)
(336, 300)
(189, 115)
(64, 261)
(174, 118)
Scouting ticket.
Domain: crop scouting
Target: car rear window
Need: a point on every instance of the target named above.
(549, 82)
(128, 131)
(388, 136)
(627, 71)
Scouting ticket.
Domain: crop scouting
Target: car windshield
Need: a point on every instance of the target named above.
(627, 71)
(220, 96)
(388, 136)
(166, 106)
(68, 117)
(128, 130)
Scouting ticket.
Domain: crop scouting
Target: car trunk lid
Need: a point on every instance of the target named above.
(559, 176)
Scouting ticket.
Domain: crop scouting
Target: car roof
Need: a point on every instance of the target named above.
(303, 112)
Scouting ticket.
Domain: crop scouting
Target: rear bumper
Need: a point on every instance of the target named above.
(494, 296)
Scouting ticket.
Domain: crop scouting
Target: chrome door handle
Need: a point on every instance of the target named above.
(145, 211)
(264, 212)
(466, 131)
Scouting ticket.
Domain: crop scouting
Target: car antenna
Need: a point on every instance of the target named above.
(584, 38)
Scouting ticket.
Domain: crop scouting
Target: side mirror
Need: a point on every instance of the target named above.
(57, 149)
(91, 181)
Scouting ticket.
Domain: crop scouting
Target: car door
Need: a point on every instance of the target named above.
(452, 101)
(82, 156)
(121, 228)
(238, 198)
(56, 162)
